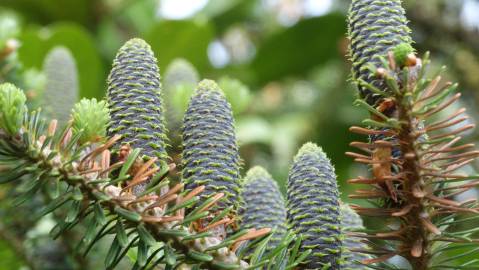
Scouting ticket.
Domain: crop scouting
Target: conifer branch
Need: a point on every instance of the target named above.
(413, 147)
(99, 193)
(126, 209)
(414, 161)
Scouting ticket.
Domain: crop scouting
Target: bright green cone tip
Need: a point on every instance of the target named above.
(310, 149)
(135, 102)
(210, 151)
(256, 173)
(237, 93)
(263, 205)
(91, 117)
(375, 28)
(401, 53)
(62, 86)
(352, 222)
(208, 86)
(313, 207)
(12, 108)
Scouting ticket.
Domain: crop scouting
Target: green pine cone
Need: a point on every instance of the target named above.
(61, 89)
(313, 207)
(351, 222)
(210, 153)
(135, 102)
(375, 28)
(263, 205)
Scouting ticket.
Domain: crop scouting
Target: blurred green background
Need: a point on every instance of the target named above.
(283, 64)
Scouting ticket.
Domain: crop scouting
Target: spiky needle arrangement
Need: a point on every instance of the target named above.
(414, 157)
(351, 227)
(135, 101)
(313, 207)
(160, 225)
(263, 205)
(210, 154)
(95, 193)
(375, 26)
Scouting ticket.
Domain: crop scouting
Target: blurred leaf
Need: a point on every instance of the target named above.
(218, 7)
(78, 41)
(237, 93)
(8, 258)
(288, 130)
(109, 38)
(180, 97)
(297, 49)
(181, 38)
(126, 20)
(47, 11)
(141, 14)
(253, 130)
(9, 28)
(225, 13)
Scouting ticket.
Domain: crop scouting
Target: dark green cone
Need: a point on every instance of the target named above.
(375, 28)
(263, 205)
(210, 154)
(134, 99)
(352, 222)
(313, 207)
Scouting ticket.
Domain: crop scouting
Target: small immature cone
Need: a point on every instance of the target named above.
(62, 86)
(352, 222)
(313, 207)
(210, 153)
(263, 205)
(135, 102)
(12, 108)
(375, 28)
(91, 117)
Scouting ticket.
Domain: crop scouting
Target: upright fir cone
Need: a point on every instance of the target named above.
(62, 86)
(180, 72)
(263, 205)
(351, 256)
(135, 102)
(210, 154)
(180, 80)
(375, 28)
(313, 207)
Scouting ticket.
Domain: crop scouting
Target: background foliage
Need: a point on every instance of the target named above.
(291, 55)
